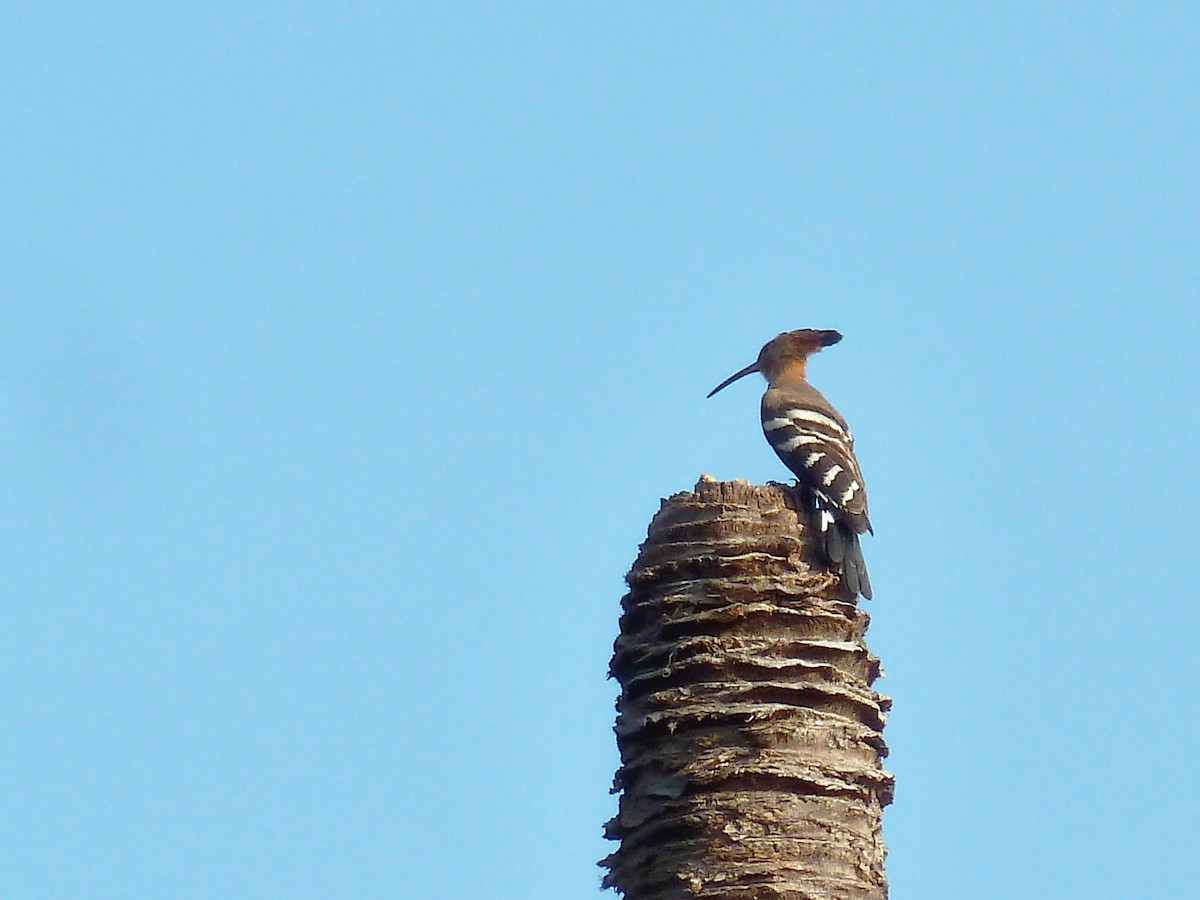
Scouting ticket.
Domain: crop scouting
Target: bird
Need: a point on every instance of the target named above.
(814, 442)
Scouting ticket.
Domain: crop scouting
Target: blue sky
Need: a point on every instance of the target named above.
(347, 349)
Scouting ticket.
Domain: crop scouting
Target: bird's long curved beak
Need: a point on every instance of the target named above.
(753, 367)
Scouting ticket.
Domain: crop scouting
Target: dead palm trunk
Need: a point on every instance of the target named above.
(749, 734)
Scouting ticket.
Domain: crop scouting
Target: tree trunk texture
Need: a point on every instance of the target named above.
(750, 737)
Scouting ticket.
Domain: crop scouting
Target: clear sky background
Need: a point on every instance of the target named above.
(347, 349)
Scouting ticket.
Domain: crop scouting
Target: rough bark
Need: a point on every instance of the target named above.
(750, 737)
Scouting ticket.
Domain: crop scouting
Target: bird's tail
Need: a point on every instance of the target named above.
(844, 549)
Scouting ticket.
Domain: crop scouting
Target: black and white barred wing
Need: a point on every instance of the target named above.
(816, 445)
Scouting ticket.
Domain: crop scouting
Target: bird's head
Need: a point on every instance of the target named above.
(785, 355)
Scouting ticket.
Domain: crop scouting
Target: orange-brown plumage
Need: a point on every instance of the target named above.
(785, 358)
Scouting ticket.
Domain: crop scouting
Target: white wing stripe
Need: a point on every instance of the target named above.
(815, 418)
(800, 440)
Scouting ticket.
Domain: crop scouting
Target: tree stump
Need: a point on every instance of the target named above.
(750, 737)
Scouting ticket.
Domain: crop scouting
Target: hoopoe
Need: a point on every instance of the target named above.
(815, 443)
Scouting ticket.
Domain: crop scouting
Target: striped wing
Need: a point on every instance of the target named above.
(816, 445)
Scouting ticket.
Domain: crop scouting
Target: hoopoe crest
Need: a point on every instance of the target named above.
(814, 442)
